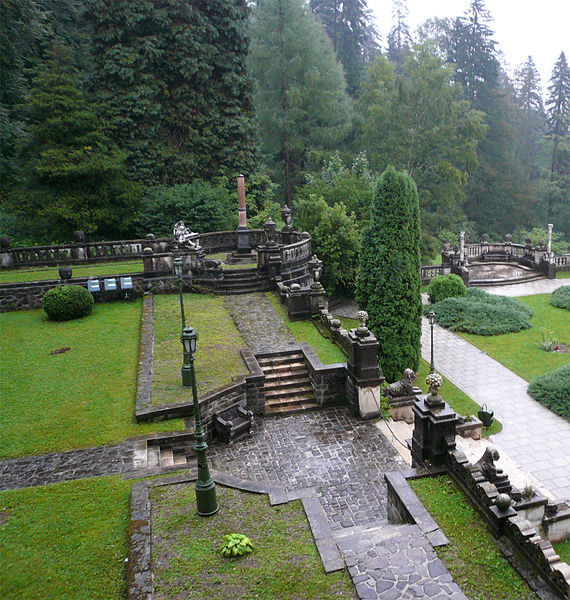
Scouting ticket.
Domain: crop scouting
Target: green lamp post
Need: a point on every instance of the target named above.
(178, 270)
(206, 501)
(431, 318)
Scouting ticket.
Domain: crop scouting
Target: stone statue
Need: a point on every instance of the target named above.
(183, 236)
(492, 473)
(404, 387)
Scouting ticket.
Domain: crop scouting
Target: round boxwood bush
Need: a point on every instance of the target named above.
(482, 313)
(561, 297)
(553, 390)
(67, 302)
(446, 286)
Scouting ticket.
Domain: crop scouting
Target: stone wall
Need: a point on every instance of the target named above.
(327, 380)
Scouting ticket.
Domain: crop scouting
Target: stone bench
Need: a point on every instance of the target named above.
(233, 423)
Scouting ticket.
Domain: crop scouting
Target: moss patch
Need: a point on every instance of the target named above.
(476, 564)
(79, 398)
(217, 358)
(285, 563)
(563, 550)
(66, 541)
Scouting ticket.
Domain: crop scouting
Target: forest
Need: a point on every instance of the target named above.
(119, 117)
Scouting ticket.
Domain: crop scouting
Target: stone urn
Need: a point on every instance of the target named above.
(65, 273)
(4, 241)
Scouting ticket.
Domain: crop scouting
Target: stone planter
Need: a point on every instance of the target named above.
(472, 428)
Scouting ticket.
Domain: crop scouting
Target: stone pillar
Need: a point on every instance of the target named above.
(364, 374)
(549, 247)
(6, 258)
(243, 244)
(148, 263)
(434, 426)
(78, 251)
(461, 246)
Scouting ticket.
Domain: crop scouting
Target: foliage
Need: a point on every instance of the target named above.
(300, 97)
(561, 297)
(334, 239)
(67, 302)
(520, 351)
(235, 544)
(482, 313)
(446, 286)
(470, 544)
(537, 234)
(549, 341)
(65, 540)
(74, 174)
(399, 39)
(217, 357)
(353, 35)
(563, 550)
(174, 83)
(416, 120)
(388, 285)
(77, 399)
(203, 206)
(553, 390)
(286, 563)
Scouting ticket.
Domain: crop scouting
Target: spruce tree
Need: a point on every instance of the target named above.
(399, 38)
(300, 97)
(74, 174)
(388, 284)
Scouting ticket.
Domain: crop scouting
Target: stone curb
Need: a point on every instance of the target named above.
(144, 379)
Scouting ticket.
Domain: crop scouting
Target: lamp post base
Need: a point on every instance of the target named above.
(186, 376)
(206, 501)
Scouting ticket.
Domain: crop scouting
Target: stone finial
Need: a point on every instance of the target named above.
(316, 268)
(503, 502)
(150, 236)
(509, 238)
(362, 330)
(4, 241)
(434, 381)
(286, 214)
(485, 238)
(270, 229)
(79, 237)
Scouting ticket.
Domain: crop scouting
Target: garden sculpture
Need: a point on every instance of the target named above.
(404, 387)
(185, 237)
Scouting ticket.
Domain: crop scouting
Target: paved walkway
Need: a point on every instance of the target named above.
(532, 436)
(540, 286)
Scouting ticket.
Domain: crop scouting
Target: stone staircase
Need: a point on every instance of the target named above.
(242, 281)
(287, 388)
(164, 452)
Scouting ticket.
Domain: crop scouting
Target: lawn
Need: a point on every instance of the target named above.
(563, 550)
(305, 331)
(472, 557)
(285, 563)
(75, 399)
(563, 275)
(520, 351)
(66, 541)
(94, 270)
(218, 357)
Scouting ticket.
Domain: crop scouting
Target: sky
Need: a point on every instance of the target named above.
(522, 27)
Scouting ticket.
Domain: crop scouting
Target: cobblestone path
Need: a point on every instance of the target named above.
(260, 325)
(63, 466)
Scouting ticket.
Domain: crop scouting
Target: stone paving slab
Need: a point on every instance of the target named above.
(539, 286)
(63, 466)
(533, 436)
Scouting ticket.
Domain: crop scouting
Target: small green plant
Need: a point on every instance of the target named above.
(446, 286)
(548, 340)
(561, 297)
(528, 492)
(67, 302)
(235, 544)
(553, 390)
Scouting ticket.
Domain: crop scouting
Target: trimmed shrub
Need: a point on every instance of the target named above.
(446, 286)
(388, 285)
(553, 390)
(561, 297)
(67, 302)
(482, 313)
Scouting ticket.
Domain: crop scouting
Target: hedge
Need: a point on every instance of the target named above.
(561, 297)
(67, 302)
(446, 286)
(553, 390)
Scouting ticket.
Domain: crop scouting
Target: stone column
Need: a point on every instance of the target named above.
(364, 374)
(461, 246)
(243, 244)
(550, 228)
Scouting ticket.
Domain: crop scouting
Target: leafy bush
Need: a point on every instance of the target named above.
(67, 302)
(446, 286)
(482, 313)
(553, 390)
(235, 544)
(561, 297)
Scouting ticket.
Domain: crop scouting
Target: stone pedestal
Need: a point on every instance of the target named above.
(434, 432)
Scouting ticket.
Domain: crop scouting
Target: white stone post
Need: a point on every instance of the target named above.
(550, 228)
(461, 246)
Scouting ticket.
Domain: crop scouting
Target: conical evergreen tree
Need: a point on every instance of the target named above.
(388, 285)
(399, 38)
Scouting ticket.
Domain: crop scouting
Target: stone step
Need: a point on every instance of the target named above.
(272, 377)
(166, 457)
(278, 361)
(277, 355)
(180, 458)
(286, 381)
(242, 281)
(153, 456)
(289, 409)
(222, 291)
(301, 398)
(239, 273)
(305, 391)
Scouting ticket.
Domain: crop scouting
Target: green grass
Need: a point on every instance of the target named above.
(81, 398)
(563, 275)
(66, 541)
(218, 359)
(520, 351)
(458, 400)
(305, 331)
(563, 550)
(285, 563)
(94, 270)
(472, 558)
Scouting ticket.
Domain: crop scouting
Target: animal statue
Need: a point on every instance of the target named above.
(487, 465)
(404, 387)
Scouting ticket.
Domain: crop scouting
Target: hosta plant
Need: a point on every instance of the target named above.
(235, 544)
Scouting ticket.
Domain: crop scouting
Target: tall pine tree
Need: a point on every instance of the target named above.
(399, 38)
(300, 98)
